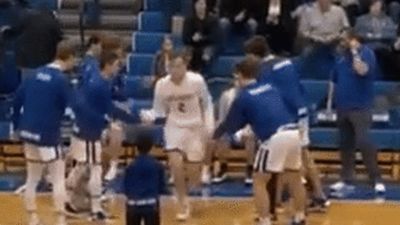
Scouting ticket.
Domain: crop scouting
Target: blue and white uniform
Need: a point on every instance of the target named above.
(282, 74)
(261, 106)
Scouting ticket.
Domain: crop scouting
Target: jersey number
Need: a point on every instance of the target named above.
(181, 107)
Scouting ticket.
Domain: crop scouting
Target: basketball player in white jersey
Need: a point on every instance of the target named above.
(181, 102)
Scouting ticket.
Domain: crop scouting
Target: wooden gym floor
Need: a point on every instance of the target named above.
(217, 211)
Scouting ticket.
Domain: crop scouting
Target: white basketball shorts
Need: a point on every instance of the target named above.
(281, 152)
(189, 141)
(85, 151)
(40, 154)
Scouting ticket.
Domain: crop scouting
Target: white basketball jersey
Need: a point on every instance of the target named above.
(184, 104)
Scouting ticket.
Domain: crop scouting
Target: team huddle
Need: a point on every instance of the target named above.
(267, 104)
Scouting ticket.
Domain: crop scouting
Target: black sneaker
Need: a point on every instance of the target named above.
(303, 222)
(70, 211)
(319, 205)
(98, 216)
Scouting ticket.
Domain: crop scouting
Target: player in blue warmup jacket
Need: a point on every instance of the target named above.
(282, 74)
(144, 181)
(89, 65)
(39, 107)
(89, 127)
(260, 105)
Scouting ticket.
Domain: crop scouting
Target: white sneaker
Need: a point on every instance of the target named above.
(111, 173)
(264, 221)
(171, 180)
(248, 180)
(205, 175)
(185, 214)
(341, 186)
(20, 190)
(34, 220)
(380, 188)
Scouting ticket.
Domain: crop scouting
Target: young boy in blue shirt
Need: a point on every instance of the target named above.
(143, 183)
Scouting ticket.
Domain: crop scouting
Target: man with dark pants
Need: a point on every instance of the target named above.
(143, 183)
(353, 78)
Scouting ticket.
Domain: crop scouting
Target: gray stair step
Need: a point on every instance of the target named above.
(106, 4)
(74, 36)
(128, 22)
(103, 11)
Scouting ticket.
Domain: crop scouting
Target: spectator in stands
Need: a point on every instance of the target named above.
(278, 24)
(239, 16)
(376, 28)
(200, 31)
(394, 10)
(378, 31)
(323, 23)
(37, 33)
(319, 31)
(352, 8)
(162, 58)
(353, 78)
(391, 60)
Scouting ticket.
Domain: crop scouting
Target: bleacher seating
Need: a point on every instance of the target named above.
(150, 43)
(139, 87)
(152, 22)
(140, 64)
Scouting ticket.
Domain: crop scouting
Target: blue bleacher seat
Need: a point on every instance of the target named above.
(5, 109)
(140, 64)
(153, 22)
(315, 91)
(10, 77)
(329, 138)
(153, 5)
(383, 87)
(217, 86)
(224, 66)
(149, 42)
(139, 87)
(4, 130)
(43, 4)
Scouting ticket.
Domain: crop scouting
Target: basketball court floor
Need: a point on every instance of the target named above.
(216, 211)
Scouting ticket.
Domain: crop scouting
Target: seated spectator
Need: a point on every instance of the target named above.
(394, 10)
(378, 32)
(200, 31)
(376, 28)
(278, 24)
(390, 60)
(352, 8)
(324, 23)
(319, 31)
(162, 59)
(238, 16)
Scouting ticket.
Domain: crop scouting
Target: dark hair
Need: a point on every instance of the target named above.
(183, 53)
(351, 34)
(65, 50)
(111, 43)
(107, 58)
(249, 67)
(93, 40)
(372, 2)
(258, 46)
(144, 142)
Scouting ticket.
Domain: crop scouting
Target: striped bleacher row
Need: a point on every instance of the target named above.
(152, 26)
